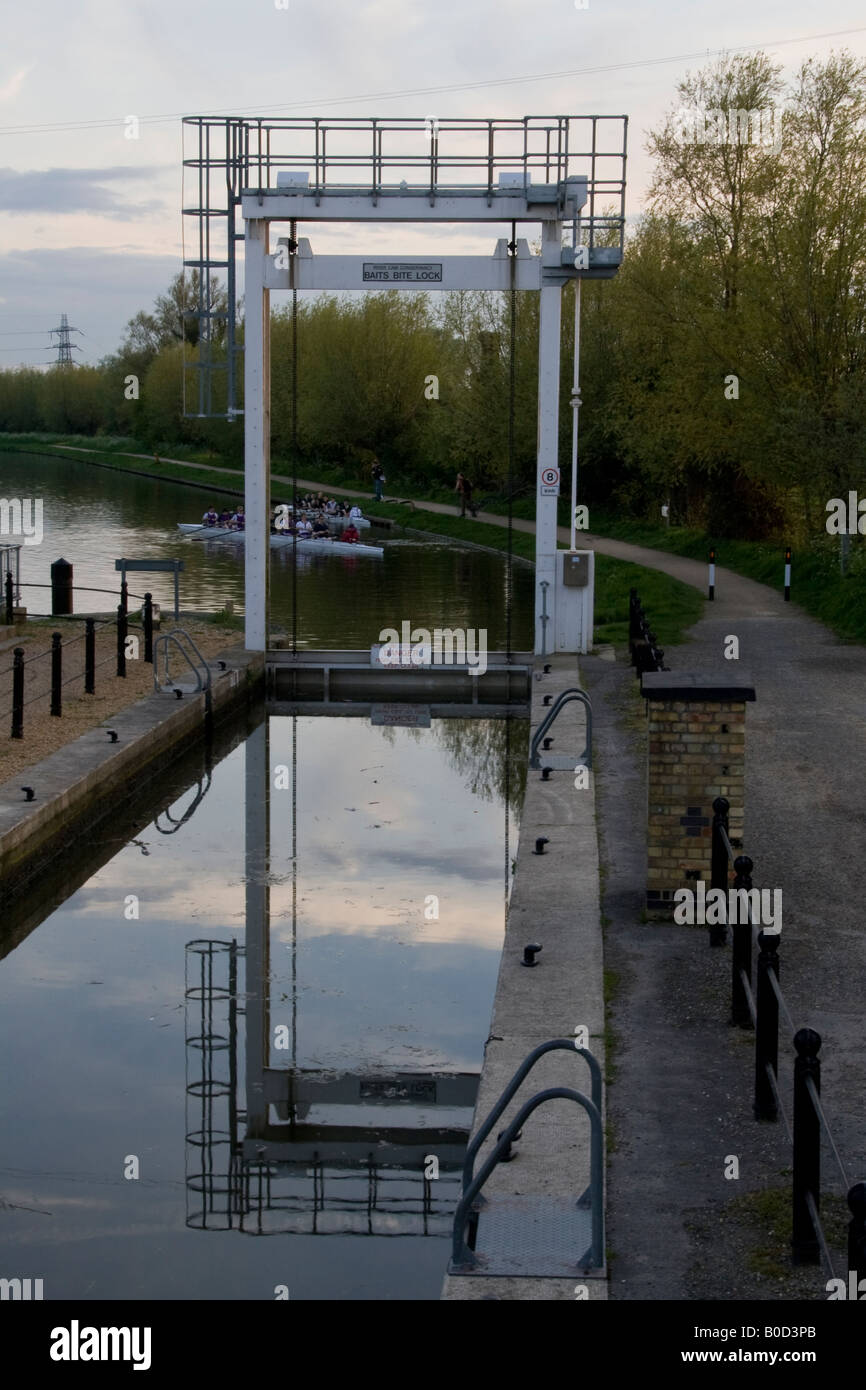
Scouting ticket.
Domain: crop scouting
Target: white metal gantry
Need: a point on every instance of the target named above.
(552, 171)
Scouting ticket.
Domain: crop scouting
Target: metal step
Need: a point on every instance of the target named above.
(535, 1237)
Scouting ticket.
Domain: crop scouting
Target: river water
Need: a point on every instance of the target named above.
(255, 1004)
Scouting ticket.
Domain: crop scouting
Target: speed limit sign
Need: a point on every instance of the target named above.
(550, 482)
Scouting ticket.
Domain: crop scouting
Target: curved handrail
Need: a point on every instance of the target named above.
(461, 1255)
(556, 1044)
(175, 636)
(565, 696)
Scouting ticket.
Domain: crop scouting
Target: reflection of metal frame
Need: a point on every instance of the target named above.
(204, 785)
(272, 1168)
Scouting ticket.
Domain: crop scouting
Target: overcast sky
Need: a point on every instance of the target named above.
(90, 220)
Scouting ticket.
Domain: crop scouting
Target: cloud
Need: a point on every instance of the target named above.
(74, 190)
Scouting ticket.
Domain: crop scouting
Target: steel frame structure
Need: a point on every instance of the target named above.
(554, 170)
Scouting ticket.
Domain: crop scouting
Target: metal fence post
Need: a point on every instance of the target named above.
(124, 595)
(767, 1026)
(18, 693)
(719, 863)
(148, 628)
(741, 956)
(121, 641)
(857, 1230)
(807, 1146)
(10, 599)
(56, 673)
(89, 656)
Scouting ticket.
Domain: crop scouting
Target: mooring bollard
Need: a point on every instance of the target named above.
(89, 656)
(712, 586)
(56, 673)
(857, 1230)
(18, 693)
(767, 1026)
(741, 956)
(788, 575)
(807, 1146)
(148, 628)
(121, 640)
(124, 596)
(61, 587)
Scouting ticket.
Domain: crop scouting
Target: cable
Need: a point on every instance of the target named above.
(436, 91)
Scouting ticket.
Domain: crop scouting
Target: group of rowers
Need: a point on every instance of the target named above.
(303, 520)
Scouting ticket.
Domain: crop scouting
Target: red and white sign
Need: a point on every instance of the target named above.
(549, 482)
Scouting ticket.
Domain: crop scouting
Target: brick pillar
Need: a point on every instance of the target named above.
(696, 739)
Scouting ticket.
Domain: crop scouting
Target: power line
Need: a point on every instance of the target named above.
(57, 126)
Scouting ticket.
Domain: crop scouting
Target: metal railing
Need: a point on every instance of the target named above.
(759, 1008)
(645, 653)
(565, 697)
(21, 663)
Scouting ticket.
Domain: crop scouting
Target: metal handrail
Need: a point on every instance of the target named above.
(174, 636)
(562, 1044)
(461, 1255)
(573, 693)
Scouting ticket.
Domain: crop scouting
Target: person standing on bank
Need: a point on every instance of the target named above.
(464, 487)
(378, 481)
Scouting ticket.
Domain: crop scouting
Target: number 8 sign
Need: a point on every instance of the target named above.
(550, 481)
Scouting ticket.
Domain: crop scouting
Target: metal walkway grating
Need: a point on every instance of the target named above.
(541, 1237)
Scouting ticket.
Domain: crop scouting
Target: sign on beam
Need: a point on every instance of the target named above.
(404, 716)
(549, 482)
(402, 272)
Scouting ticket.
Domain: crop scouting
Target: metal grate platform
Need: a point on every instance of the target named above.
(539, 1237)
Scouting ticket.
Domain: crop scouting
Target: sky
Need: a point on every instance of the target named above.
(90, 219)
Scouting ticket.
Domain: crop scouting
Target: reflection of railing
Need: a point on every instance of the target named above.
(211, 980)
(374, 1200)
(203, 785)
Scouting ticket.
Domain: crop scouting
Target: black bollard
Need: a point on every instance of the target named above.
(10, 599)
(719, 863)
(807, 1146)
(61, 587)
(857, 1230)
(121, 641)
(148, 628)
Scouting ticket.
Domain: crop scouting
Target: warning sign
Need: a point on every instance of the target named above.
(550, 482)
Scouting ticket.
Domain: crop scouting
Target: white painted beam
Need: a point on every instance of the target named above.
(403, 272)
(257, 436)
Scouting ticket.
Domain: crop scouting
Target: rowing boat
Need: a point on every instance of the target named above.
(325, 545)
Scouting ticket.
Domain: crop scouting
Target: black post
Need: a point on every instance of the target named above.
(712, 581)
(124, 595)
(121, 641)
(148, 628)
(719, 863)
(857, 1230)
(56, 673)
(89, 656)
(741, 956)
(18, 693)
(61, 587)
(767, 1026)
(807, 1146)
(10, 599)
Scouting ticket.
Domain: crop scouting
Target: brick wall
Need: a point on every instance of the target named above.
(696, 749)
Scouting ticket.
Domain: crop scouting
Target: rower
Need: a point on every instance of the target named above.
(238, 521)
(351, 533)
(356, 515)
(321, 527)
(225, 517)
(211, 517)
(305, 527)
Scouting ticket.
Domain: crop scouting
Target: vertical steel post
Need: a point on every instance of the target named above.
(575, 406)
(767, 1026)
(257, 432)
(121, 641)
(56, 673)
(124, 594)
(741, 956)
(10, 599)
(18, 693)
(89, 656)
(148, 627)
(550, 308)
(807, 1146)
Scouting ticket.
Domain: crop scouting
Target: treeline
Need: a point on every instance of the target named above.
(723, 370)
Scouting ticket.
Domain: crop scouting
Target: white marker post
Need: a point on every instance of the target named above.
(712, 593)
(788, 575)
